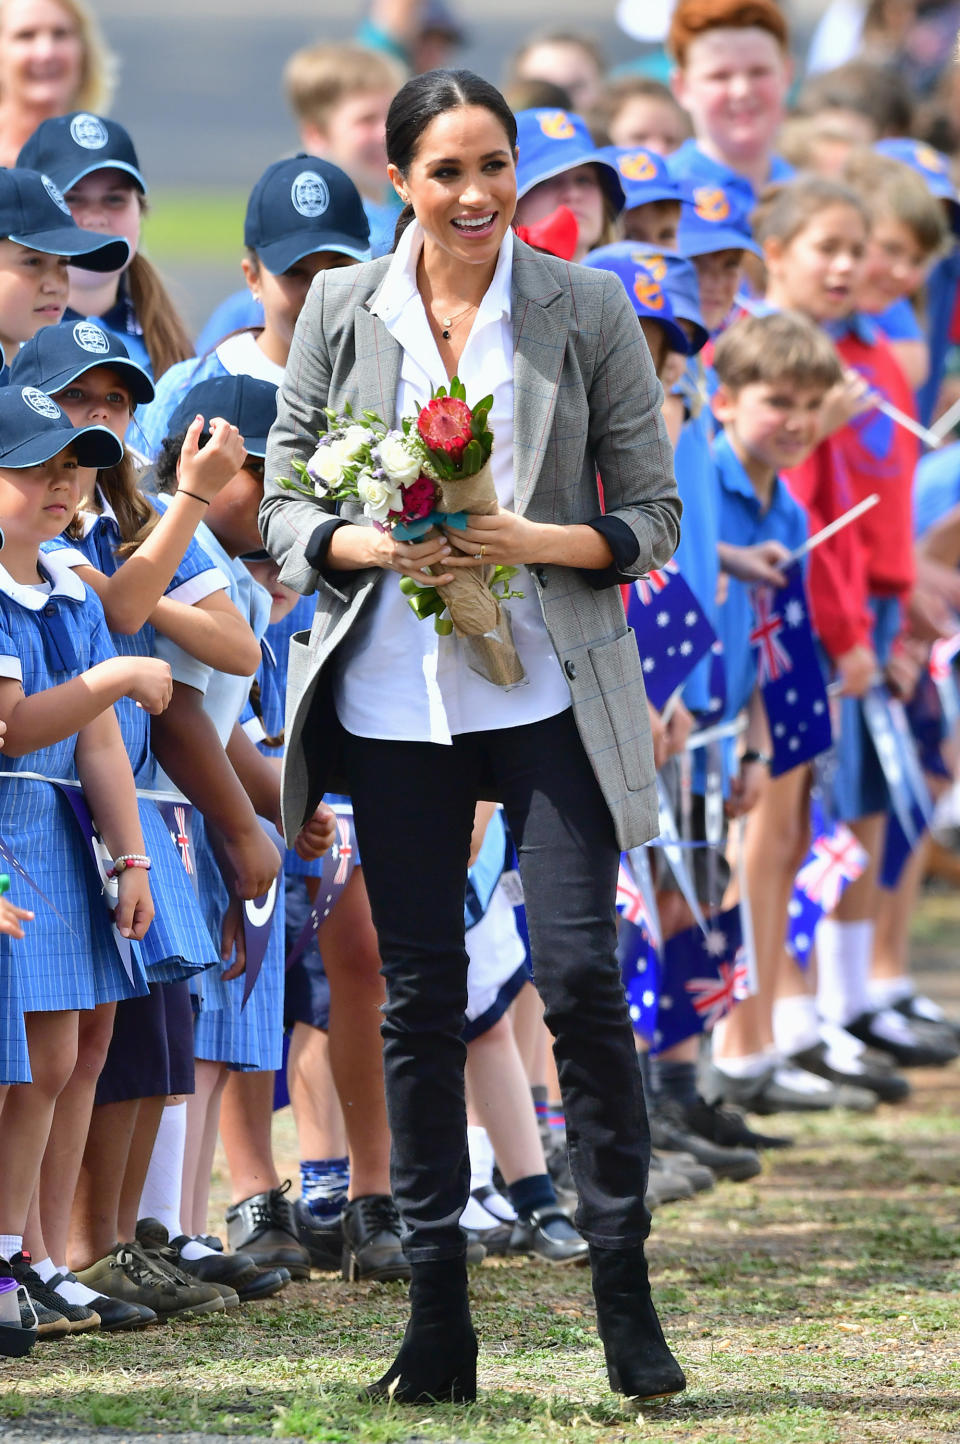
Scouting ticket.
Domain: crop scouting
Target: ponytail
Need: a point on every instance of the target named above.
(164, 333)
(404, 219)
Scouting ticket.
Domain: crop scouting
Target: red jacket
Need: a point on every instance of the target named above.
(874, 556)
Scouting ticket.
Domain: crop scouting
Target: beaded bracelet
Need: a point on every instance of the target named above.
(128, 859)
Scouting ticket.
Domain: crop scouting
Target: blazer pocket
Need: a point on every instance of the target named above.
(616, 666)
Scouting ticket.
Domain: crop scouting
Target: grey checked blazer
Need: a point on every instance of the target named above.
(586, 400)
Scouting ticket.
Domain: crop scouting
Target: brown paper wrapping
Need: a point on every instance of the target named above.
(477, 615)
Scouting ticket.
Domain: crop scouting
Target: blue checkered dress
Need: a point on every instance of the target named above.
(178, 943)
(68, 958)
(14, 1055)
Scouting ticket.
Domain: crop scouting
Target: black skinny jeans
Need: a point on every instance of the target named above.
(414, 806)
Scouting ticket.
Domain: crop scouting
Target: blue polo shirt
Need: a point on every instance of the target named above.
(690, 165)
(744, 524)
(942, 284)
(696, 556)
(936, 488)
(899, 322)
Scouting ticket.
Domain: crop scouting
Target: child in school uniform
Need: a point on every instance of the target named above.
(37, 236)
(92, 160)
(559, 165)
(61, 679)
(304, 215)
(651, 213)
(231, 782)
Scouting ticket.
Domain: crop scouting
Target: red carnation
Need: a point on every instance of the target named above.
(419, 499)
(445, 425)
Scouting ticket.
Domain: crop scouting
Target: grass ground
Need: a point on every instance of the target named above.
(817, 1303)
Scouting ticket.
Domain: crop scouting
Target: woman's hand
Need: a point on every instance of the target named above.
(507, 540)
(354, 547)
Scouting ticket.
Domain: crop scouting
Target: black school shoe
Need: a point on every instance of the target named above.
(549, 1234)
(236, 1273)
(18, 1337)
(926, 1045)
(719, 1123)
(670, 1132)
(889, 1085)
(323, 1241)
(75, 1318)
(115, 1315)
(371, 1240)
(264, 1227)
(919, 1009)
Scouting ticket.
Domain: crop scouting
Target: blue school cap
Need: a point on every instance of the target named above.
(33, 429)
(303, 205)
(643, 175)
(245, 401)
(33, 213)
(552, 141)
(57, 355)
(647, 295)
(716, 219)
(929, 164)
(68, 147)
(677, 277)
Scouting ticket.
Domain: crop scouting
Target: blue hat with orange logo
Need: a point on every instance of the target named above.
(931, 165)
(715, 220)
(643, 175)
(648, 296)
(552, 141)
(679, 280)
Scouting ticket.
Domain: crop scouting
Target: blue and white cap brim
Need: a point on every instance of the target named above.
(93, 446)
(278, 256)
(67, 178)
(139, 383)
(713, 239)
(89, 252)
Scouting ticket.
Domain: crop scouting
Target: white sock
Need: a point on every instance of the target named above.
(796, 1024)
(844, 951)
(843, 1051)
(499, 1207)
(476, 1216)
(751, 1065)
(161, 1191)
(194, 1249)
(888, 992)
(481, 1158)
(892, 1027)
(800, 1080)
(46, 1268)
(72, 1289)
(10, 1243)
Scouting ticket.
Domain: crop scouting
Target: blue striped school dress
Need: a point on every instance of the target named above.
(14, 1054)
(68, 958)
(248, 1039)
(178, 943)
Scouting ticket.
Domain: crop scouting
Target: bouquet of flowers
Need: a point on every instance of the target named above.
(432, 472)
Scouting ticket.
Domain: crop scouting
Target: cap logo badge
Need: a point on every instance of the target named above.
(647, 291)
(89, 131)
(711, 204)
(39, 402)
(656, 265)
(638, 167)
(55, 194)
(557, 125)
(310, 194)
(930, 159)
(90, 338)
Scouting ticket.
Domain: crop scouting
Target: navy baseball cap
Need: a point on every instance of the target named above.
(246, 402)
(715, 220)
(33, 213)
(552, 141)
(677, 277)
(647, 295)
(68, 147)
(57, 355)
(643, 175)
(33, 429)
(303, 205)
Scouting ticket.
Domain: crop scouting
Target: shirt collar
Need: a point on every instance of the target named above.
(861, 327)
(399, 286)
(733, 476)
(65, 582)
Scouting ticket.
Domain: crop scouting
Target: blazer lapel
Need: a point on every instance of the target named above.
(540, 326)
(377, 365)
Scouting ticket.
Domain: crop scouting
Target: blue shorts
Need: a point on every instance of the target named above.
(306, 991)
(151, 1051)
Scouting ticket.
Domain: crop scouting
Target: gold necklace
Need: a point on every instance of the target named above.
(447, 322)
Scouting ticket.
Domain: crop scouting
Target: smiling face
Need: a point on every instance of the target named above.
(100, 397)
(33, 292)
(819, 270)
(41, 55)
(107, 201)
(462, 184)
(734, 83)
(771, 426)
(895, 266)
(37, 502)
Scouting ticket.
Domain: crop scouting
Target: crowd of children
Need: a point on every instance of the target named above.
(169, 971)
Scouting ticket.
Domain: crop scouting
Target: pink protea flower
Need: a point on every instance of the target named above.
(445, 425)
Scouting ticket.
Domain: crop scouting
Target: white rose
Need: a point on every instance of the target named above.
(379, 497)
(324, 468)
(397, 461)
(355, 438)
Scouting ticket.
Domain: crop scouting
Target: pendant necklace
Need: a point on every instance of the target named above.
(447, 322)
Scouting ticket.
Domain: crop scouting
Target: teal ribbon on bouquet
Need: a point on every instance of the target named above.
(427, 601)
(412, 531)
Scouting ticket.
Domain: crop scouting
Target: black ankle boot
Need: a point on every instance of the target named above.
(437, 1362)
(639, 1362)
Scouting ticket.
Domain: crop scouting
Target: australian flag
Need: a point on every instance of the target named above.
(788, 671)
(701, 977)
(671, 629)
(835, 860)
(637, 941)
(912, 806)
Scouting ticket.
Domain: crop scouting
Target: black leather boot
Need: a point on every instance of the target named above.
(639, 1362)
(437, 1362)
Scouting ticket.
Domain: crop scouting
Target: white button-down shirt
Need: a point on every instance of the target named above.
(395, 677)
